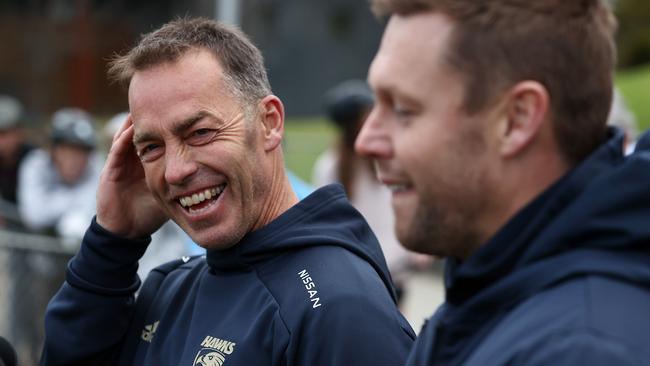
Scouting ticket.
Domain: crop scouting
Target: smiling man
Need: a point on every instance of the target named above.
(283, 282)
(490, 129)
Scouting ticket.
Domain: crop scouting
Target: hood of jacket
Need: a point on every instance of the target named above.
(593, 221)
(324, 218)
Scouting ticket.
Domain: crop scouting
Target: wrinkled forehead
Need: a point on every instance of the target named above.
(195, 68)
(195, 78)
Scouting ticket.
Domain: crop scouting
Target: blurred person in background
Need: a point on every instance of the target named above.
(347, 106)
(58, 185)
(621, 116)
(490, 128)
(13, 149)
(23, 329)
(56, 197)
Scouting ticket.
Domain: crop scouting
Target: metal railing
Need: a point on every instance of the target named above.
(32, 269)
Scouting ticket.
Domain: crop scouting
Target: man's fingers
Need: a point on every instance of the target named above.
(128, 122)
(122, 153)
(123, 142)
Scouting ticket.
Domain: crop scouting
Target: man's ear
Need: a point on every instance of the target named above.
(526, 111)
(272, 115)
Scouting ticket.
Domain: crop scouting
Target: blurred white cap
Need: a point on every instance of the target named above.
(10, 112)
(114, 124)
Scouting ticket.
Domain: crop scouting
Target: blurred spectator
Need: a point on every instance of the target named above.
(13, 148)
(347, 106)
(56, 194)
(621, 116)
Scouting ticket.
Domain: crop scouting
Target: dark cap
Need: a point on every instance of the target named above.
(346, 102)
(73, 126)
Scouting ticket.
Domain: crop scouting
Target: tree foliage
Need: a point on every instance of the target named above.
(633, 32)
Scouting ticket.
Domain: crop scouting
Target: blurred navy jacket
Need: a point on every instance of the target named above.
(310, 288)
(565, 282)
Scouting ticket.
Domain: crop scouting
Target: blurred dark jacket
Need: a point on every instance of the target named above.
(9, 174)
(565, 282)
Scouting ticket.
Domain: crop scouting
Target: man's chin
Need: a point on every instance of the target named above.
(411, 243)
(215, 241)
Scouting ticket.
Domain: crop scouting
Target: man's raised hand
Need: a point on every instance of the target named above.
(125, 206)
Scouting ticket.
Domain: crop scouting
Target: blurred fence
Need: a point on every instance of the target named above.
(32, 269)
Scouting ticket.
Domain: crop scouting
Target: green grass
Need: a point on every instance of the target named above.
(304, 140)
(635, 87)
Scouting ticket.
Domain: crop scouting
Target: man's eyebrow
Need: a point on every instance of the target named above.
(392, 92)
(141, 137)
(177, 128)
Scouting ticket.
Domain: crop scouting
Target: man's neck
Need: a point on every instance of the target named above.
(280, 198)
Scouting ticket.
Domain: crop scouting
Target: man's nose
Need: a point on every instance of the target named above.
(374, 140)
(179, 165)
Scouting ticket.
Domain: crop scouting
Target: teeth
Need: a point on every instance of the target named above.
(397, 187)
(196, 198)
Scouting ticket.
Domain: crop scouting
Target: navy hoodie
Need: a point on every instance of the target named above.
(311, 288)
(565, 282)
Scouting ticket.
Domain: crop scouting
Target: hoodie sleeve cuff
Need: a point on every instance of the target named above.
(106, 263)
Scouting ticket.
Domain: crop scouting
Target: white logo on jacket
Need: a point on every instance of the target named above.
(149, 331)
(310, 286)
(211, 358)
(213, 352)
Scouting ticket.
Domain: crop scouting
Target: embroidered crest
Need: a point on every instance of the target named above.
(213, 352)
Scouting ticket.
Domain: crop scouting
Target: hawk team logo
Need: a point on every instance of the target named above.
(208, 357)
(213, 352)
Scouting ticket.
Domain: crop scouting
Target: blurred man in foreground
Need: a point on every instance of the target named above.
(490, 129)
(347, 105)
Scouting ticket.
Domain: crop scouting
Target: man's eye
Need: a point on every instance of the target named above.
(147, 151)
(401, 112)
(201, 136)
(201, 131)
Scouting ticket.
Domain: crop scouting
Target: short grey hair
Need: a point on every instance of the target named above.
(243, 64)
